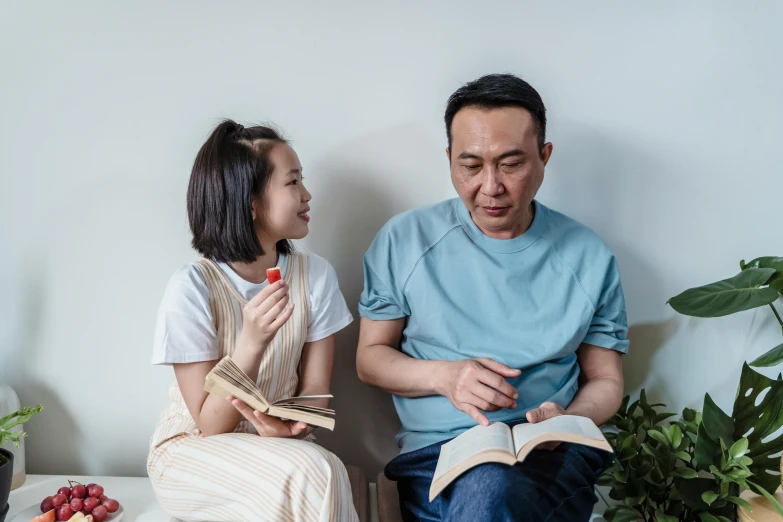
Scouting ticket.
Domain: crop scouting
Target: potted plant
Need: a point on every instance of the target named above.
(759, 283)
(691, 469)
(6, 457)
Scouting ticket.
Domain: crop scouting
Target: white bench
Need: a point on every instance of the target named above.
(136, 495)
(378, 504)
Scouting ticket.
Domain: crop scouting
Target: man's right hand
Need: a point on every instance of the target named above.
(476, 385)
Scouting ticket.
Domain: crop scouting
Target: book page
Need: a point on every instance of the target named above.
(476, 440)
(302, 398)
(567, 424)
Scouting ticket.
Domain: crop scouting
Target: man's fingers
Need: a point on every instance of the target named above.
(475, 413)
(546, 411)
(534, 416)
(499, 368)
(493, 397)
(500, 384)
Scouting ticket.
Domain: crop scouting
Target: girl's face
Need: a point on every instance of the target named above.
(284, 212)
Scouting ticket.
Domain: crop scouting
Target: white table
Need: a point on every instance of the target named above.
(134, 493)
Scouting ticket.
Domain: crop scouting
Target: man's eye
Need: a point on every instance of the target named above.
(512, 165)
(472, 167)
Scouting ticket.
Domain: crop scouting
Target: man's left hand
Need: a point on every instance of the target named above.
(546, 411)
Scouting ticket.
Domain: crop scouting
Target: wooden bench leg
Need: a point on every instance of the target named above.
(360, 492)
(388, 500)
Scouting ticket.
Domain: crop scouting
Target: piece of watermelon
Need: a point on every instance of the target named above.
(49, 516)
(273, 275)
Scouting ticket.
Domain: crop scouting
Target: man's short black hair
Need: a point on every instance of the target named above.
(496, 91)
(231, 169)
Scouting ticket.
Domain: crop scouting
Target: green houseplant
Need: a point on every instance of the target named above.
(759, 283)
(6, 457)
(692, 469)
(14, 419)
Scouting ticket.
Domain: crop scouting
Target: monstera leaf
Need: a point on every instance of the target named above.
(738, 293)
(764, 419)
(771, 358)
(776, 281)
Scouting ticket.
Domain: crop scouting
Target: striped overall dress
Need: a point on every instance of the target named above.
(241, 476)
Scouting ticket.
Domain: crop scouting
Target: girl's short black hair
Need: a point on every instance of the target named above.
(231, 169)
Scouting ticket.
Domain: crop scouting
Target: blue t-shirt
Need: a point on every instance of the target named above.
(527, 302)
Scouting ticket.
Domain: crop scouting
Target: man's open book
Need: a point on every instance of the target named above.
(499, 443)
(226, 378)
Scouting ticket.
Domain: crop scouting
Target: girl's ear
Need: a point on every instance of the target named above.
(254, 208)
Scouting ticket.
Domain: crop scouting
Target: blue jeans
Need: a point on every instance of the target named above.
(549, 486)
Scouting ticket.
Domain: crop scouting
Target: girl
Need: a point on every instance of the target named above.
(218, 460)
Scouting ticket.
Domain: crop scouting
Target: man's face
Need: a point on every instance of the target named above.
(497, 167)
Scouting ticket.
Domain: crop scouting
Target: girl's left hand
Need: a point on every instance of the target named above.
(268, 426)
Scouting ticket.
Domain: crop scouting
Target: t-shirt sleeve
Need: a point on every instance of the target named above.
(328, 312)
(185, 331)
(382, 298)
(609, 326)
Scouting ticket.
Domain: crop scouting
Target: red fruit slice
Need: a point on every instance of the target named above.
(273, 275)
(49, 516)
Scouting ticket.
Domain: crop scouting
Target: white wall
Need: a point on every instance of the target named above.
(666, 119)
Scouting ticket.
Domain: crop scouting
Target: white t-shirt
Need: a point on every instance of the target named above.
(185, 330)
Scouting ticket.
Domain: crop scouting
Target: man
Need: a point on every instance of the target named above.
(492, 307)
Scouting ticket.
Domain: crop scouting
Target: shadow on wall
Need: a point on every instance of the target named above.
(26, 378)
(367, 422)
(349, 210)
(604, 181)
(646, 340)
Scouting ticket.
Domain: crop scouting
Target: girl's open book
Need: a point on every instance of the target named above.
(226, 378)
(499, 443)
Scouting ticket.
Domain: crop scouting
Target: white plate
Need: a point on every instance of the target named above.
(33, 511)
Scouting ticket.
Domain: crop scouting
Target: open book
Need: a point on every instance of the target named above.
(226, 378)
(499, 443)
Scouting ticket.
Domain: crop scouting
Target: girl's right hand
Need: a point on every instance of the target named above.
(263, 315)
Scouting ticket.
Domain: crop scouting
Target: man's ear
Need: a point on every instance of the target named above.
(448, 154)
(546, 152)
